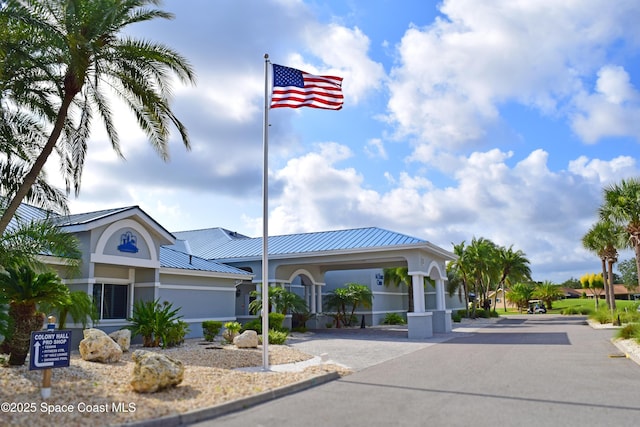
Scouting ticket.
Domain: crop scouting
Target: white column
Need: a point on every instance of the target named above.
(313, 298)
(319, 303)
(440, 301)
(418, 293)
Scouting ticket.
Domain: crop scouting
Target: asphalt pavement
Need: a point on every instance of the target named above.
(540, 370)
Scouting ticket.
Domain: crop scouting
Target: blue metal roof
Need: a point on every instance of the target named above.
(203, 242)
(170, 258)
(359, 238)
(87, 217)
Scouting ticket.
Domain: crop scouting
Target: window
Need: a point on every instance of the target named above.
(111, 300)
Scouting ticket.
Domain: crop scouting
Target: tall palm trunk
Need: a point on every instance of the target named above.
(605, 278)
(31, 177)
(27, 320)
(612, 295)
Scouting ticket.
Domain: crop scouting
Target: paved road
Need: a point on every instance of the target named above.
(522, 371)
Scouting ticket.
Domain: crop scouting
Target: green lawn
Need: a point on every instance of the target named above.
(578, 303)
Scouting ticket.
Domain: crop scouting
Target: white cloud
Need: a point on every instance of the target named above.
(613, 110)
(453, 76)
(375, 148)
(345, 50)
(542, 212)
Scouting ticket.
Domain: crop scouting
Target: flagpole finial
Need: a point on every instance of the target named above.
(266, 56)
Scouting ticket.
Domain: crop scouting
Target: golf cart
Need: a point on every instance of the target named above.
(536, 306)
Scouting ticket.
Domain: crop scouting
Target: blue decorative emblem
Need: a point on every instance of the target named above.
(379, 279)
(128, 243)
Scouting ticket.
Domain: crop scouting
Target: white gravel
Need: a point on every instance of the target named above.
(90, 393)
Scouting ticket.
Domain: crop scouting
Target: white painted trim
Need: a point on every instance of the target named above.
(302, 271)
(124, 261)
(146, 284)
(390, 293)
(198, 288)
(436, 265)
(202, 319)
(202, 273)
(126, 223)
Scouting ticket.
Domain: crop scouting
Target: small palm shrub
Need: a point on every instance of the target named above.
(231, 329)
(393, 319)
(153, 321)
(211, 328)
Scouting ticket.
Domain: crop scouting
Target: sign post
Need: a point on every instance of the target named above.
(49, 349)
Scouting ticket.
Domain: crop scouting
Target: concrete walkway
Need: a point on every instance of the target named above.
(521, 371)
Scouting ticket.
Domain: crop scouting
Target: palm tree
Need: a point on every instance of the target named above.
(80, 307)
(514, 267)
(547, 292)
(460, 269)
(396, 276)
(76, 53)
(520, 294)
(25, 289)
(348, 297)
(481, 257)
(622, 207)
(26, 241)
(280, 298)
(602, 239)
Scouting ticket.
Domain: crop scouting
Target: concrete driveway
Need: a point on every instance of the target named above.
(539, 370)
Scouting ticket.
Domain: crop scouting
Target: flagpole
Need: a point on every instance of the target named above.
(265, 220)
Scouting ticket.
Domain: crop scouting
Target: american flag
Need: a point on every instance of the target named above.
(294, 89)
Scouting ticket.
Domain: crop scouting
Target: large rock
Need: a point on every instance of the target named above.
(247, 339)
(154, 371)
(122, 338)
(97, 346)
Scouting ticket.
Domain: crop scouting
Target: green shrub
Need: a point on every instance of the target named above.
(457, 316)
(393, 319)
(630, 331)
(174, 334)
(231, 329)
(211, 328)
(275, 321)
(602, 316)
(627, 316)
(277, 337)
(253, 325)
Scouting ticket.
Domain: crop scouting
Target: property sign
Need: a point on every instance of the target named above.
(50, 349)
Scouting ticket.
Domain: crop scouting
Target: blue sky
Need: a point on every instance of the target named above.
(462, 118)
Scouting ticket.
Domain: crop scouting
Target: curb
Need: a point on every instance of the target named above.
(622, 346)
(234, 405)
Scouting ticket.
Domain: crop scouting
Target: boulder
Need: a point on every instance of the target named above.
(97, 346)
(247, 339)
(122, 338)
(154, 371)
